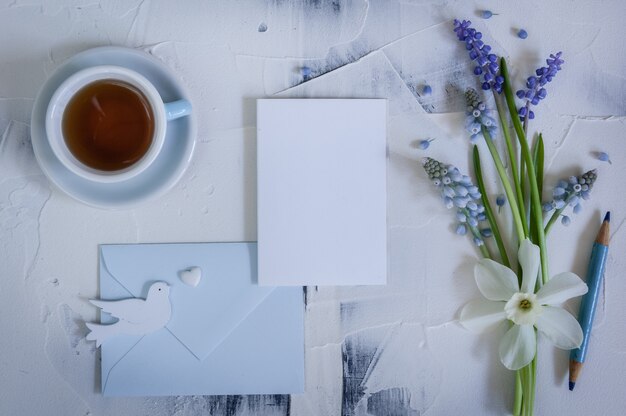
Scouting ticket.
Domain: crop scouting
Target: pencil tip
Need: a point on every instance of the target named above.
(571, 385)
(607, 217)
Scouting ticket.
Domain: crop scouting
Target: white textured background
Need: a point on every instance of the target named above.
(391, 351)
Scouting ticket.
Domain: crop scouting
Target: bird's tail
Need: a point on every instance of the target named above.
(99, 333)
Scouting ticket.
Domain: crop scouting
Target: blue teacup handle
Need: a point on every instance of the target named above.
(177, 109)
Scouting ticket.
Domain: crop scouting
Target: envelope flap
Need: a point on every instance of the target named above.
(202, 316)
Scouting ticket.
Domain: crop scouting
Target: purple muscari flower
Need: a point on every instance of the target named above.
(535, 85)
(571, 192)
(458, 191)
(487, 63)
(477, 116)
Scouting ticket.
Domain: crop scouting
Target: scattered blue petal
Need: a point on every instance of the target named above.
(427, 90)
(262, 28)
(604, 157)
(305, 71)
(486, 14)
(522, 34)
(424, 144)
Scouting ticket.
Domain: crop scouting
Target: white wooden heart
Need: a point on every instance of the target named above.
(191, 276)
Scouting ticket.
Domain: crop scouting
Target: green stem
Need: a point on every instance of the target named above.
(537, 153)
(517, 404)
(528, 402)
(557, 214)
(538, 158)
(512, 160)
(488, 211)
(534, 382)
(535, 199)
(517, 219)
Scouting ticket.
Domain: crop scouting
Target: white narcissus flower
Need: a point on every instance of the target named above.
(525, 308)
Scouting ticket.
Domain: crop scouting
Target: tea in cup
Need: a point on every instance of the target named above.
(108, 123)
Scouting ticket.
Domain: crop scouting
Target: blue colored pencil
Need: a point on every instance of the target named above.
(595, 272)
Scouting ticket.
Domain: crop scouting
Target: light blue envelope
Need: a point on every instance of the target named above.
(226, 336)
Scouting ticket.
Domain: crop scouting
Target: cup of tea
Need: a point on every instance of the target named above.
(108, 123)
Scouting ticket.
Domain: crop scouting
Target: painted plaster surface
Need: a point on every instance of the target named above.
(396, 350)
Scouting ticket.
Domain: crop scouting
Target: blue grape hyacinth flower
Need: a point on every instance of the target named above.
(535, 85)
(571, 192)
(458, 191)
(487, 67)
(477, 116)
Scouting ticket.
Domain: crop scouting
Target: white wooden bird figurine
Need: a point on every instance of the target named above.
(135, 316)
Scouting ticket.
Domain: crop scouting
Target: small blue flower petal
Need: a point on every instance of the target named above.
(305, 71)
(486, 14)
(500, 200)
(604, 157)
(461, 190)
(424, 144)
(577, 208)
(565, 220)
(448, 191)
(427, 90)
(459, 202)
(522, 34)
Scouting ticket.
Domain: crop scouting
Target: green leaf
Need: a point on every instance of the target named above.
(538, 159)
(535, 198)
(488, 211)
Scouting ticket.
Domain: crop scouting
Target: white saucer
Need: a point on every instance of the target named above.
(157, 179)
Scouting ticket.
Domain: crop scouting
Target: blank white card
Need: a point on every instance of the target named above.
(322, 200)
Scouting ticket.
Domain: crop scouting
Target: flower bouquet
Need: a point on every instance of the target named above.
(517, 290)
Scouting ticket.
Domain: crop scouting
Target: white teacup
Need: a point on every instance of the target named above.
(161, 114)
